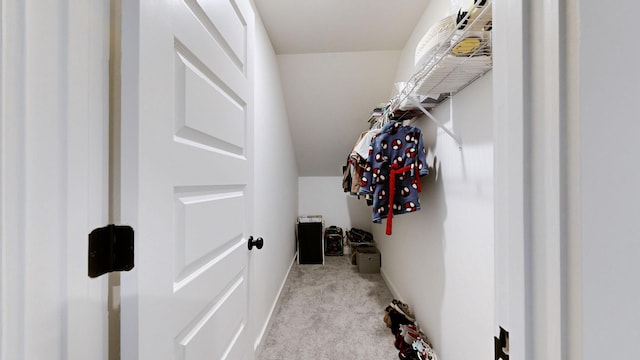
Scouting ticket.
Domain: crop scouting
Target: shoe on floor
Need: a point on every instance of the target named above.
(410, 333)
(394, 319)
(423, 350)
(409, 354)
(403, 308)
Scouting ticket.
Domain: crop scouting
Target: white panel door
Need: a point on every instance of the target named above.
(187, 93)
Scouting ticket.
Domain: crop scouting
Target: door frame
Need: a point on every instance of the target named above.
(53, 96)
(536, 126)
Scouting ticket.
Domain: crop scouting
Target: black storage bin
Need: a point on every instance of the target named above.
(310, 240)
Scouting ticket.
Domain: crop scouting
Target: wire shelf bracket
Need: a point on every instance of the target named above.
(414, 99)
(443, 71)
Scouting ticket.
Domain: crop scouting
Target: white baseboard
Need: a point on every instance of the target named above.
(274, 306)
(390, 285)
(392, 288)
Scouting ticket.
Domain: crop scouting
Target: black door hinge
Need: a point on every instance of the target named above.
(110, 249)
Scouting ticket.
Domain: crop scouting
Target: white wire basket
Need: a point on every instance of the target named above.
(453, 53)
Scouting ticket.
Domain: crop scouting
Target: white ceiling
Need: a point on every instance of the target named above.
(337, 60)
(313, 26)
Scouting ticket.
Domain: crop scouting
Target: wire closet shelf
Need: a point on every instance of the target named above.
(463, 56)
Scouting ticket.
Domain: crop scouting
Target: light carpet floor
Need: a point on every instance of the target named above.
(330, 312)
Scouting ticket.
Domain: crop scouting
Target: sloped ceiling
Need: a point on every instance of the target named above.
(337, 60)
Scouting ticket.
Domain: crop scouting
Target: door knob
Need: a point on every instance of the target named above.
(257, 243)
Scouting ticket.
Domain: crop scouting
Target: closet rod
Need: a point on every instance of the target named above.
(417, 103)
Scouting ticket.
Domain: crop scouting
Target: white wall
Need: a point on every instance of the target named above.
(610, 198)
(329, 99)
(276, 187)
(440, 259)
(323, 195)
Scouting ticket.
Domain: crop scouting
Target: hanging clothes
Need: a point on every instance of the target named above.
(354, 168)
(350, 176)
(362, 146)
(347, 180)
(395, 162)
